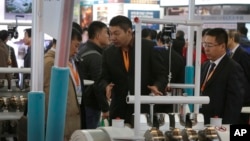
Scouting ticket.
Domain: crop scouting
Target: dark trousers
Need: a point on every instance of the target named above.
(83, 121)
(92, 117)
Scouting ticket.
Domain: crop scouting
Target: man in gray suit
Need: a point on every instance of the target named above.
(238, 53)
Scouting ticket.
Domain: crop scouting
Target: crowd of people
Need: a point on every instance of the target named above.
(107, 57)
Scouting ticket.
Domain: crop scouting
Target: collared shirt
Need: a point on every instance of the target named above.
(234, 49)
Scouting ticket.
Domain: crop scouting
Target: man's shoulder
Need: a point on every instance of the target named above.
(148, 42)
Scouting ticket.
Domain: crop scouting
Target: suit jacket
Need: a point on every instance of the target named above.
(177, 73)
(13, 60)
(243, 58)
(113, 70)
(3, 58)
(177, 64)
(225, 89)
(178, 45)
(27, 62)
(72, 122)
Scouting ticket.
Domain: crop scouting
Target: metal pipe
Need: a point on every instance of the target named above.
(19, 24)
(137, 90)
(198, 66)
(36, 102)
(56, 120)
(64, 36)
(190, 48)
(164, 21)
(176, 85)
(37, 50)
(170, 99)
(14, 70)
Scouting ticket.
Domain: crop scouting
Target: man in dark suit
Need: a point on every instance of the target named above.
(237, 53)
(118, 69)
(27, 57)
(179, 42)
(224, 84)
(175, 65)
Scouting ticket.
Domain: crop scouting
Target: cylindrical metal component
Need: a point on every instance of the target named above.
(164, 21)
(170, 99)
(90, 135)
(176, 85)
(14, 70)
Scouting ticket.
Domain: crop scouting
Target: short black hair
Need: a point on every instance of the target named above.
(121, 21)
(76, 32)
(94, 28)
(4, 35)
(153, 34)
(204, 31)
(243, 30)
(180, 34)
(146, 32)
(28, 31)
(159, 37)
(77, 27)
(220, 35)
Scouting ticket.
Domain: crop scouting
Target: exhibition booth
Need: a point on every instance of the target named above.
(183, 124)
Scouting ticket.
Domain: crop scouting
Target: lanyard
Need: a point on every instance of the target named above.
(209, 75)
(126, 59)
(74, 74)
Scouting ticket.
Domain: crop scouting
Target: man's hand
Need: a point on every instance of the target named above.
(108, 90)
(9, 61)
(155, 90)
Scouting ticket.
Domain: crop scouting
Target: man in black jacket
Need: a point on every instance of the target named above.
(224, 83)
(118, 69)
(237, 53)
(27, 58)
(89, 67)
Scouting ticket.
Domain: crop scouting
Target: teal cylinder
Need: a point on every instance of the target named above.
(36, 116)
(189, 79)
(57, 104)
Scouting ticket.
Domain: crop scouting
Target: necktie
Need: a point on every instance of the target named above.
(212, 65)
(231, 54)
(208, 76)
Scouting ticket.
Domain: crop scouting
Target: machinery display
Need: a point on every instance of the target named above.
(182, 125)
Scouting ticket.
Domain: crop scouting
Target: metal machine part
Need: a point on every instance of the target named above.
(103, 134)
(174, 135)
(154, 134)
(12, 104)
(190, 120)
(208, 134)
(189, 134)
(1, 104)
(146, 124)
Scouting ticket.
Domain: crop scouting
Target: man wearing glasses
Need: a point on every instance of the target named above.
(222, 79)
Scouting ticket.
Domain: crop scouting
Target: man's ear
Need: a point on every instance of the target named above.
(129, 31)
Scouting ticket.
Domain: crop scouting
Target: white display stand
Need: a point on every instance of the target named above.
(10, 115)
(245, 110)
(138, 97)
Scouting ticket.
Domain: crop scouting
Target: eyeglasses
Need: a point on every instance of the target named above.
(205, 44)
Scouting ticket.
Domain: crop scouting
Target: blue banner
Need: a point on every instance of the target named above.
(145, 14)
